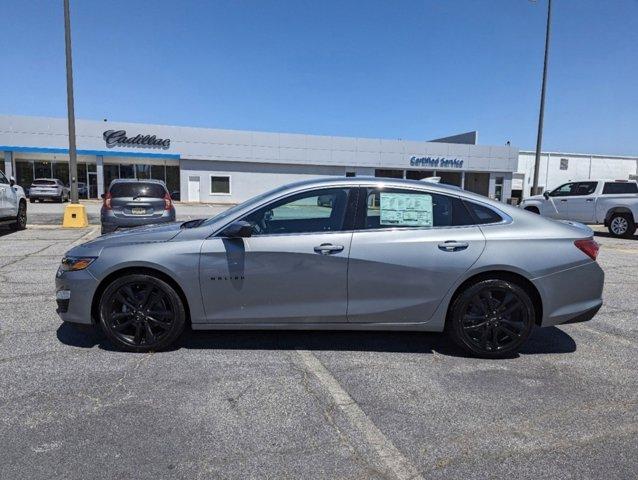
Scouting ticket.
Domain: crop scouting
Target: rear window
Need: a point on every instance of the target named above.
(45, 183)
(611, 188)
(483, 214)
(149, 190)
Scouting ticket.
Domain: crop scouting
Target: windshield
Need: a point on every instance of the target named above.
(251, 201)
(137, 189)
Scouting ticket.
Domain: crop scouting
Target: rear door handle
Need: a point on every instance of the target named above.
(453, 246)
(563, 200)
(589, 200)
(326, 248)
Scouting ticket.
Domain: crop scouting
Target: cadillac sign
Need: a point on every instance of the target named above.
(118, 138)
(436, 162)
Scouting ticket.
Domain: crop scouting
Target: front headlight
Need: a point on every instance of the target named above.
(70, 264)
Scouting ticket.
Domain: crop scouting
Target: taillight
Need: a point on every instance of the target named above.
(588, 246)
(107, 201)
(167, 201)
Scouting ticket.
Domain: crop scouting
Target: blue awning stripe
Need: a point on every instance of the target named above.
(104, 153)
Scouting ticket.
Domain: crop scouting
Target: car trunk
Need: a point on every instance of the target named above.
(140, 200)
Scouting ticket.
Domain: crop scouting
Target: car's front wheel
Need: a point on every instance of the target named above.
(21, 217)
(491, 318)
(622, 225)
(141, 313)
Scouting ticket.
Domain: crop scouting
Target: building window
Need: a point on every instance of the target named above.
(498, 189)
(564, 163)
(351, 174)
(219, 185)
(379, 172)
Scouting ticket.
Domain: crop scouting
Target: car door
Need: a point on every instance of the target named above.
(6, 196)
(408, 248)
(293, 269)
(557, 205)
(581, 204)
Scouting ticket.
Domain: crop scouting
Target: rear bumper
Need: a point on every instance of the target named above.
(45, 194)
(111, 223)
(572, 295)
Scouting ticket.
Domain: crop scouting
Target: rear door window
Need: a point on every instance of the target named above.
(398, 208)
(138, 189)
(586, 188)
(612, 188)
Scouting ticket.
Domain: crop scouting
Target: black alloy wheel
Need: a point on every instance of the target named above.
(141, 313)
(492, 318)
(21, 218)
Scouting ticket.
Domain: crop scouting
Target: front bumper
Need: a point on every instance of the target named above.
(74, 295)
(571, 295)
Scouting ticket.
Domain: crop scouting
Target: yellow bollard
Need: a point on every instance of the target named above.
(75, 216)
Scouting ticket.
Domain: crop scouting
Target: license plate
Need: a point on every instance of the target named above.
(138, 211)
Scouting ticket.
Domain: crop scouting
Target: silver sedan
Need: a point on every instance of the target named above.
(340, 254)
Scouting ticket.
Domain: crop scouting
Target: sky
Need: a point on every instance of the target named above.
(414, 70)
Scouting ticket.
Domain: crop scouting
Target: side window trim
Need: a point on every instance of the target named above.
(347, 222)
(359, 224)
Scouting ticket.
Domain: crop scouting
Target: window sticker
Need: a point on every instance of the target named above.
(406, 209)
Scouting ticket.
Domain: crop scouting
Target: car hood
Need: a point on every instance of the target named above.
(146, 234)
(535, 197)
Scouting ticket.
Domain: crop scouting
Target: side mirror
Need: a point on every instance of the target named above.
(103, 195)
(12, 181)
(238, 229)
(546, 195)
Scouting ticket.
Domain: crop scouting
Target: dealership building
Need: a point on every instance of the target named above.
(229, 166)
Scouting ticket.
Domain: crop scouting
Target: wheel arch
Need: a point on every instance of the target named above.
(618, 209)
(143, 270)
(533, 209)
(508, 275)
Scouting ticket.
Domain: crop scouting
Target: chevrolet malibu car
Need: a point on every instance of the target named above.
(382, 254)
(131, 203)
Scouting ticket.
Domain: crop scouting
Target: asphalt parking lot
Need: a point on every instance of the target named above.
(307, 404)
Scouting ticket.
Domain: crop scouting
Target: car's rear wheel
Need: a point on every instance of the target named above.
(622, 225)
(141, 313)
(32, 200)
(491, 318)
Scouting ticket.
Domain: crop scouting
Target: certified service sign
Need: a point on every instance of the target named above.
(118, 138)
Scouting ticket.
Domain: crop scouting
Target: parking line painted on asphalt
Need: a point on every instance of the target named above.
(86, 237)
(400, 466)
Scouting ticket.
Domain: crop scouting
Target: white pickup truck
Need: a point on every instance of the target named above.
(13, 204)
(613, 203)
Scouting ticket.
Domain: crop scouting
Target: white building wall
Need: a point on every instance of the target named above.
(580, 167)
(247, 179)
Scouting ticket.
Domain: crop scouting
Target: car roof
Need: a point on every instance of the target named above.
(135, 180)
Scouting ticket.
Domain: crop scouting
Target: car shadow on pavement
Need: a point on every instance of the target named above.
(542, 341)
(609, 235)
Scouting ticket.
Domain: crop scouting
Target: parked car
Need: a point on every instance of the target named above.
(83, 191)
(48, 189)
(132, 203)
(613, 203)
(13, 204)
(421, 257)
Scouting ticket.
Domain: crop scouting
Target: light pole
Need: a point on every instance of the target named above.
(541, 113)
(73, 163)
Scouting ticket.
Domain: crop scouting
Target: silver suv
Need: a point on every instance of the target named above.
(48, 189)
(132, 203)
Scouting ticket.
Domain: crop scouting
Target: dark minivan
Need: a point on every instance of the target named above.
(132, 203)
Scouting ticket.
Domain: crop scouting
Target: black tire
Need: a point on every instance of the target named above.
(533, 210)
(621, 225)
(491, 318)
(58, 199)
(141, 313)
(32, 200)
(21, 217)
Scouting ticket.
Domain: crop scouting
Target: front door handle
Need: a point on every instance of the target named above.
(453, 246)
(589, 200)
(563, 200)
(327, 248)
